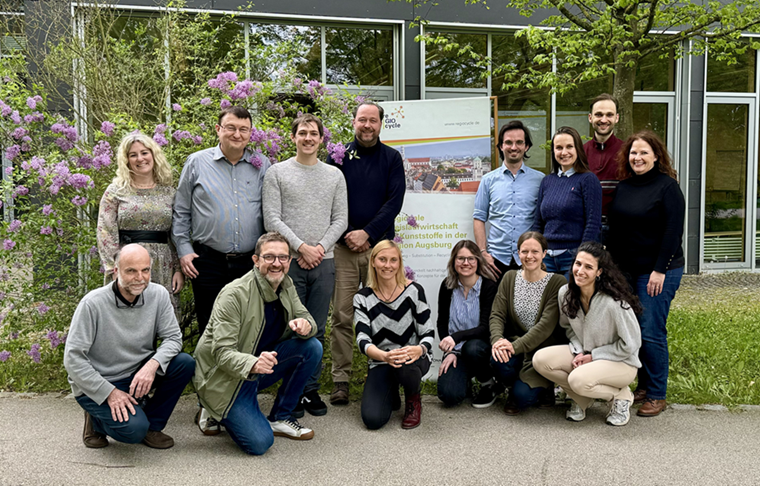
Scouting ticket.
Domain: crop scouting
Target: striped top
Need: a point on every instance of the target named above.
(464, 312)
(393, 325)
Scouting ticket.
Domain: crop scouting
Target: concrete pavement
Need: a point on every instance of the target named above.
(41, 443)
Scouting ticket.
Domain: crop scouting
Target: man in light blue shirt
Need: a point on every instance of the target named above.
(507, 199)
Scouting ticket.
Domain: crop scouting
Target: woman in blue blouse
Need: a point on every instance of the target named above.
(569, 209)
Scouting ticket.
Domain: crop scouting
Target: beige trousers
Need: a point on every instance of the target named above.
(350, 272)
(603, 379)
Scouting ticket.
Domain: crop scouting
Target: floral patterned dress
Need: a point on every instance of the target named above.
(139, 209)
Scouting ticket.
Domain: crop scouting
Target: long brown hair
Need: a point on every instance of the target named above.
(581, 162)
(662, 164)
(452, 279)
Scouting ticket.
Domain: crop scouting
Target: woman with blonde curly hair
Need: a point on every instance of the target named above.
(137, 208)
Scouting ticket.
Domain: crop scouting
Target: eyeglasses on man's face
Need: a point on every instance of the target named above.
(272, 258)
(233, 129)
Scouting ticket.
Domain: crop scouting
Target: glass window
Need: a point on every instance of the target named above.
(12, 33)
(656, 74)
(735, 78)
(725, 182)
(274, 47)
(513, 57)
(359, 56)
(446, 67)
(651, 116)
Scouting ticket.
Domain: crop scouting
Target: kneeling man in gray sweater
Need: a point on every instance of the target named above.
(112, 360)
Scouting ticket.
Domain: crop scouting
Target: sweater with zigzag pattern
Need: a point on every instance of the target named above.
(392, 325)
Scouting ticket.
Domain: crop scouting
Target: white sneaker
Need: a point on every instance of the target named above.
(620, 412)
(576, 413)
(207, 423)
(291, 429)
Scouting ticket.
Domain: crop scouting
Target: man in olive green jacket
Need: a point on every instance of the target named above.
(259, 333)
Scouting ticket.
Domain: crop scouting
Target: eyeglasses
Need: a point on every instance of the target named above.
(232, 129)
(272, 258)
(469, 260)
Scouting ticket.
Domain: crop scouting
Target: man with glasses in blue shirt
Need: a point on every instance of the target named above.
(507, 199)
(259, 333)
(217, 211)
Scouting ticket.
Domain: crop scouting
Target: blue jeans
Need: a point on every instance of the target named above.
(561, 263)
(153, 414)
(454, 385)
(315, 289)
(653, 374)
(508, 375)
(249, 428)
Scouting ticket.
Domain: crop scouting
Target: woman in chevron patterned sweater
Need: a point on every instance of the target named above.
(394, 330)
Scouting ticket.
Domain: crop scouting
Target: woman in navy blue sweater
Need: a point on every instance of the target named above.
(569, 209)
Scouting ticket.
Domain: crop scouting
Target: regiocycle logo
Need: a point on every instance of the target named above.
(393, 119)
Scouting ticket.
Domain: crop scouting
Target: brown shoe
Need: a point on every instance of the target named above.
(92, 439)
(158, 440)
(412, 412)
(339, 395)
(639, 396)
(652, 408)
(511, 408)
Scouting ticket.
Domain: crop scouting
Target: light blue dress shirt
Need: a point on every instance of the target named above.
(508, 202)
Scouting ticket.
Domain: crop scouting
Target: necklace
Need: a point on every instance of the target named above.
(144, 186)
(387, 299)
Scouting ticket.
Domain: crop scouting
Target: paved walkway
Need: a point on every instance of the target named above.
(41, 444)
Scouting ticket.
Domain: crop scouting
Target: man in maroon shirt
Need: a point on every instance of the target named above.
(602, 150)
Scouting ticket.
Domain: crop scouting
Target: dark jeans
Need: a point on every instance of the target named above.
(152, 415)
(562, 263)
(508, 374)
(381, 388)
(504, 268)
(474, 360)
(246, 424)
(315, 289)
(653, 374)
(214, 272)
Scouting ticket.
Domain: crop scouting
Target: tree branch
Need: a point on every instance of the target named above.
(652, 14)
(560, 5)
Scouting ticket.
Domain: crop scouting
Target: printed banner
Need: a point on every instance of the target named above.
(446, 147)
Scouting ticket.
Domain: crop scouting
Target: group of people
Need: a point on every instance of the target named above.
(268, 248)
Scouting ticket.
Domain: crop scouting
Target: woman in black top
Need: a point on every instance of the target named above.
(464, 307)
(646, 220)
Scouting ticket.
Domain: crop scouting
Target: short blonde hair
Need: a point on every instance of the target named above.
(162, 171)
(372, 281)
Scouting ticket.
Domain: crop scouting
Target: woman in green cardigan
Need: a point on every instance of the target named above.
(524, 319)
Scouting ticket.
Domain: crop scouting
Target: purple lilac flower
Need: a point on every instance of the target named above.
(8, 170)
(177, 107)
(160, 128)
(80, 181)
(160, 139)
(360, 99)
(179, 135)
(5, 110)
(223, 80)
(398, 240)
(225, 104)
(103, 154)
(34, 117)
(14, 335)
(337, 152)
(46, 230)
(79, 201)
(32, 102)
(25, 147)
(14, 226)
(12, 152)
(63, 128)
(206, 101)
(55, 339)
(328, 136)
(85, 162)
(297, 82)
(64, 144)
(4, 355)
(42, 309)
(16, 117)
(20, 191)
(411, 221)
(19, 133)
(202, 126)
(2, 296)
(197, 139)
(409, 273)
(93, 250)
(8, 244)
(34, 353)
(107, 128)
(25, 166)
(45, 286)
(47, 209)
(256, 160)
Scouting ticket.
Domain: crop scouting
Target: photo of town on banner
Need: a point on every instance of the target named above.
(445, 144)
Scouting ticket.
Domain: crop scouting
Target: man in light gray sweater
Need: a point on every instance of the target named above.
(112, 360)
(305, 201)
